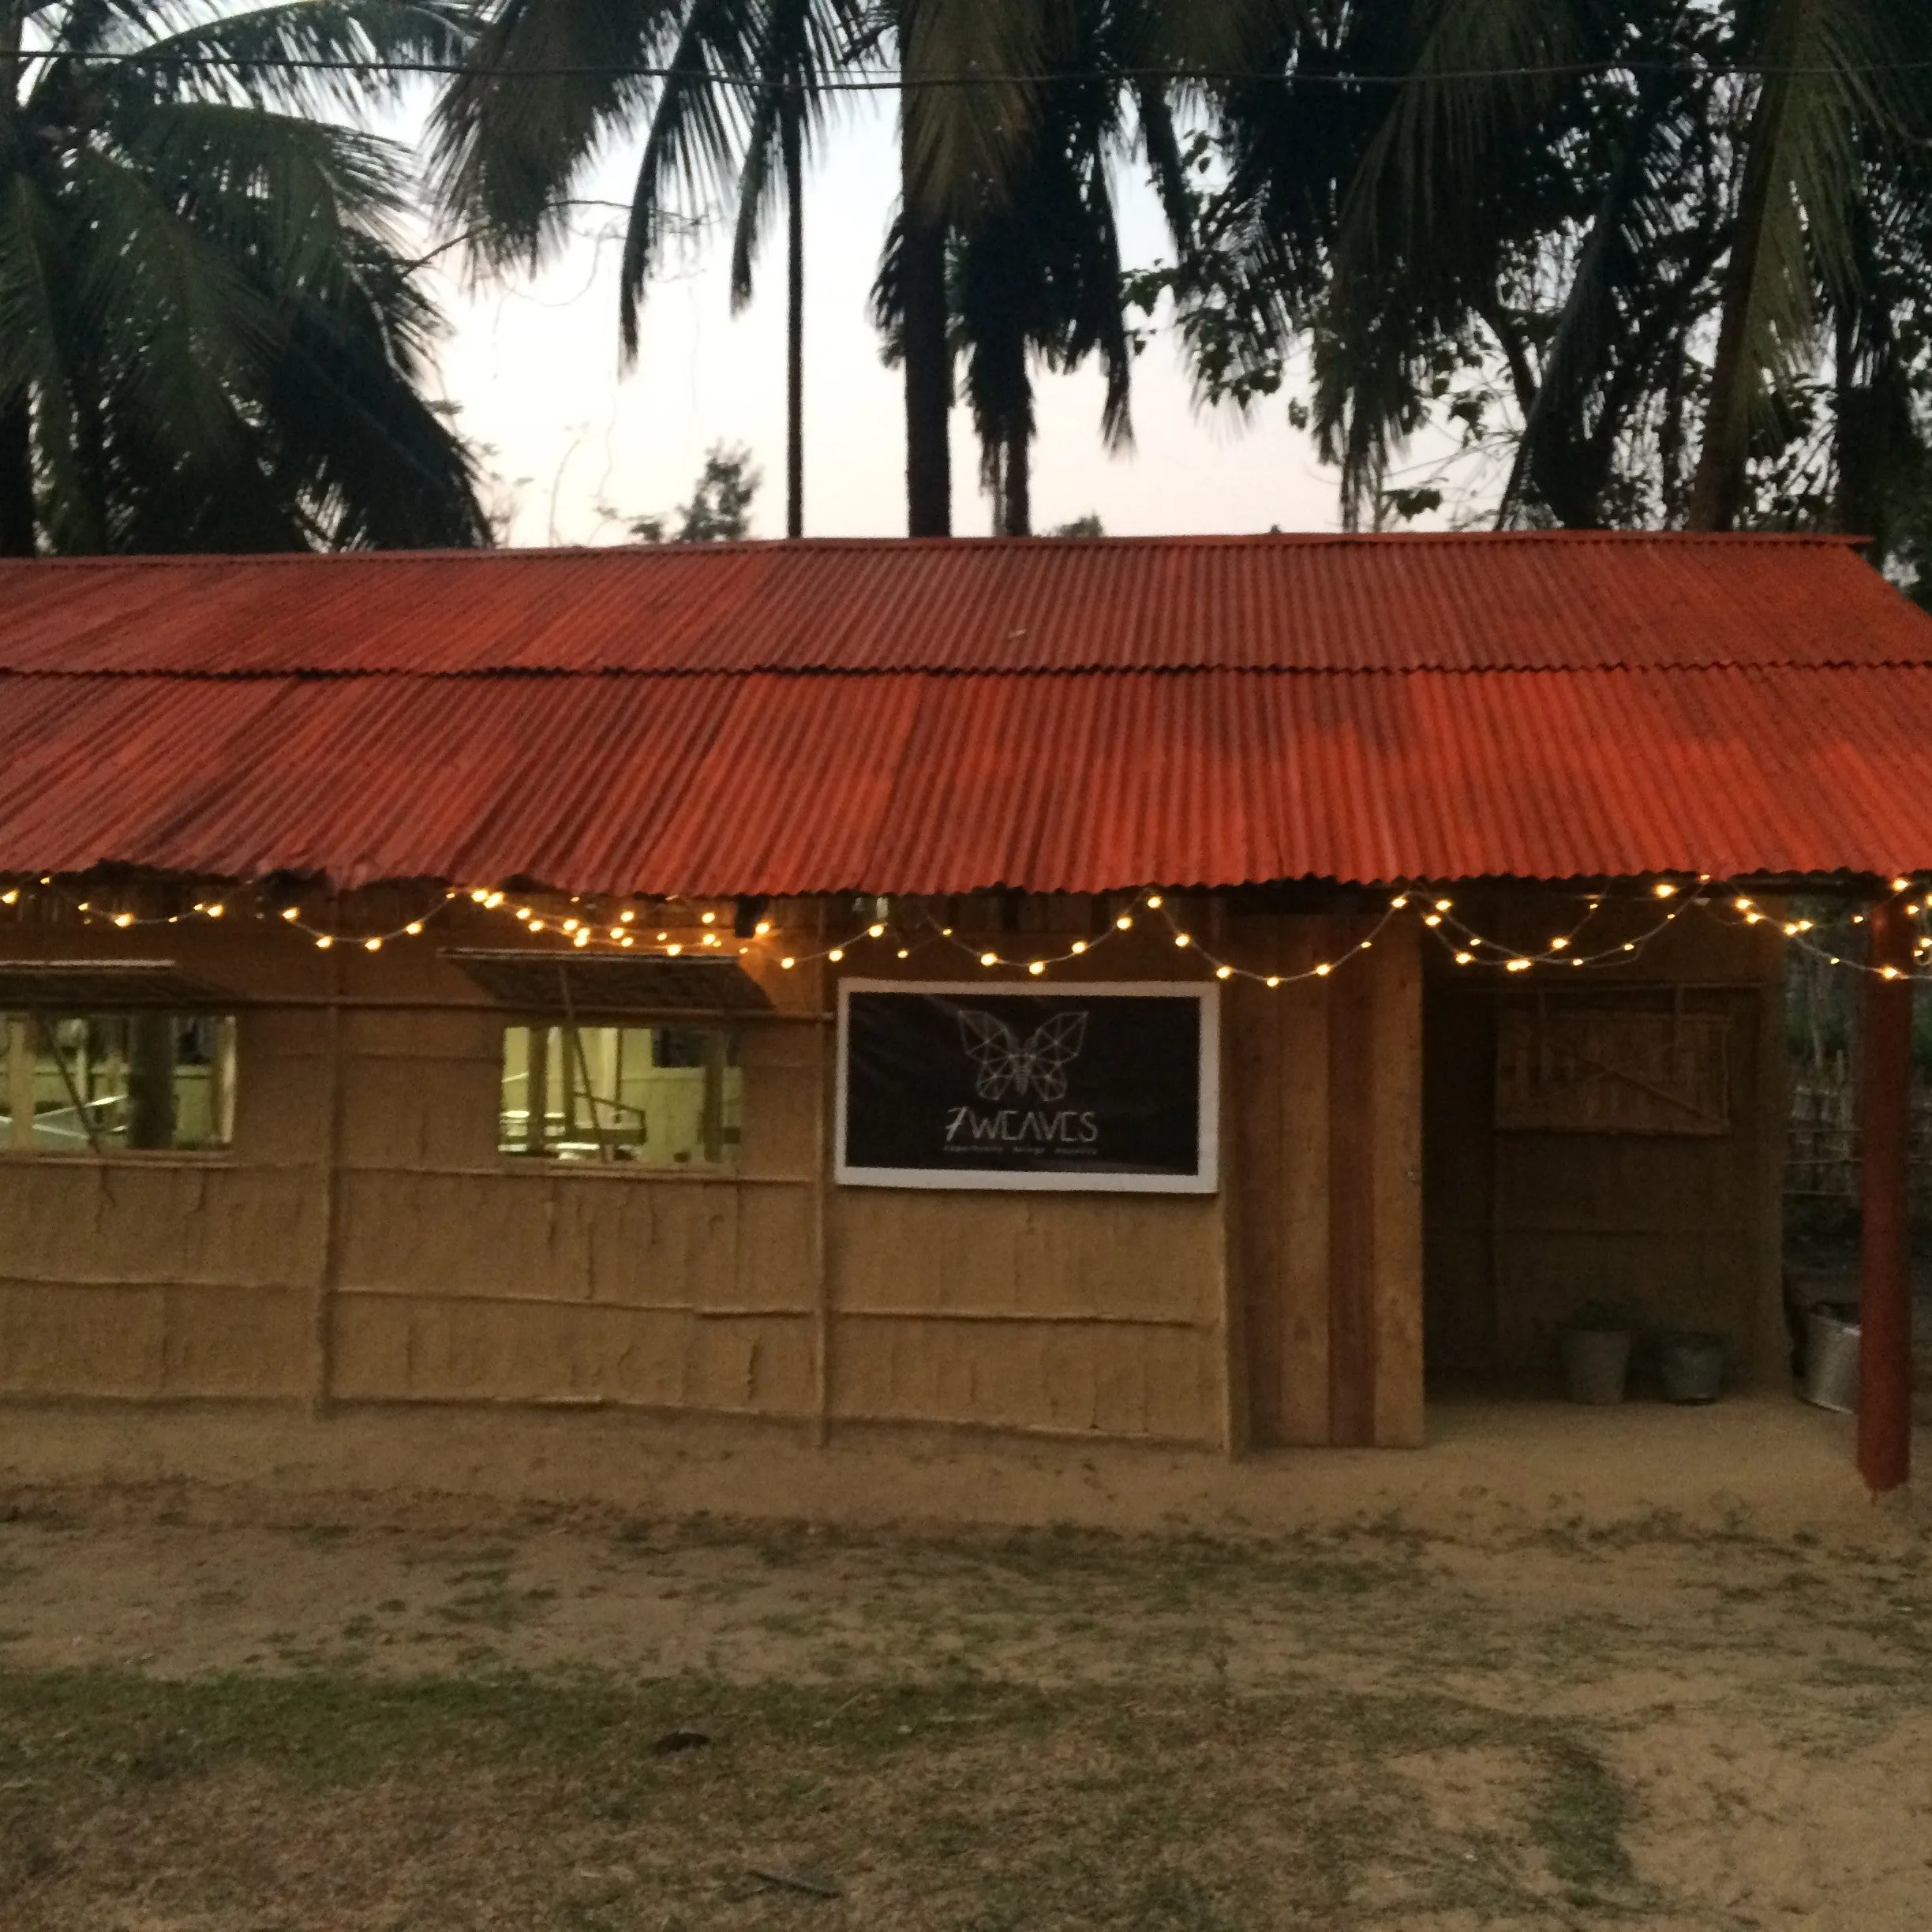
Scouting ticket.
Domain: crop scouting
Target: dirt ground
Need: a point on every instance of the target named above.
(228, 1705)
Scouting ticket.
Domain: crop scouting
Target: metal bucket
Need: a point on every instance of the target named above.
(1596, 1365)
(1831, 1374)
(1693, 1365)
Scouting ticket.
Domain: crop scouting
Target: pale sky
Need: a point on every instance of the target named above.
(533, 363)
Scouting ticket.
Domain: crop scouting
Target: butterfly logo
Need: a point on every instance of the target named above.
(1037, 1064)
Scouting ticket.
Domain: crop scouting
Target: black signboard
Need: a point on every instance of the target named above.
(1109, 1087)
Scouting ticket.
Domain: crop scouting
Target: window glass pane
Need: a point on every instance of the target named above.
(101, 1083)
(655, 1096)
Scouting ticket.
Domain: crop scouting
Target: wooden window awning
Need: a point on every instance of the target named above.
(103, 986)
(612, 984)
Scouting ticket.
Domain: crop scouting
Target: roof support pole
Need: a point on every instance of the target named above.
(1884, 1294)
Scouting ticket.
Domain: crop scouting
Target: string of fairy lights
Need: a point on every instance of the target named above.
(675, 928)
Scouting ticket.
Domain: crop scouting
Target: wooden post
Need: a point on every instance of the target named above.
(328, 1262)
(1885, 1292)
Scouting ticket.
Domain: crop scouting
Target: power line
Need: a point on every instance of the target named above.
(901, 83)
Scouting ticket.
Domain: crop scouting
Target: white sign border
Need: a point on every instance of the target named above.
(932, 1180)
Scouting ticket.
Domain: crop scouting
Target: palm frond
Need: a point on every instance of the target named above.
(543, 84)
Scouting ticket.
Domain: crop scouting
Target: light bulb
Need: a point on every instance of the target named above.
(10, 898)
(1560, 944)
(627, 942)
(1323, 970)
(1224, 972)
(1664, 890)
(707, 918)
(674, 950)
(787, 964)
(903, 953)
(1465, 959)
(1400, 900)
(215, 912)
(1366, 946)
(1079, 946)
(124, 918)
(536, 925)
(291, 913)
(1036, 968)
(478, 894)
(1901, 884)
(372, 945)
(617, 932)
(522, 912)
(1183, 939)
(570, 925)
(494, 900)
(875, 932)
(762, 928)
(1124, 922)
(1431, 918)
(414, 929)
(1153, 902)
(1891, 972)
(662, 937)
(1516, 965)
(324, 942)
(1442, 905)
(1274, 980)
(837, 954)
(988, 959)
(1743, 906)
(582, 938)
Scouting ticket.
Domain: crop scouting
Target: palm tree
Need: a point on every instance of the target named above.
(1838, 83)
(1733, 157)
(1012, 116)
(209, 337)
(743, 90)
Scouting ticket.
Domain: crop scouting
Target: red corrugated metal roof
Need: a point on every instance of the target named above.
(1532, 601)
(1350, 708)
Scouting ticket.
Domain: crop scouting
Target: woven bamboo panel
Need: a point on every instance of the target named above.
(1609, 1071)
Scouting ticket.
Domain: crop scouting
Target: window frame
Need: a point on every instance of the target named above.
(20, 1065)
(722, 1056)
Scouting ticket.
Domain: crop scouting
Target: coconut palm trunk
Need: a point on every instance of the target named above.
(928, 357)
(794, 144)
(16, 488)
(1717, 488)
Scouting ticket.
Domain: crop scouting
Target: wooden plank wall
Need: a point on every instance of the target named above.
(1327, 1097)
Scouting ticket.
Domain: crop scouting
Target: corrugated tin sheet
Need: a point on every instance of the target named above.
(1509, 602)
(918, 782)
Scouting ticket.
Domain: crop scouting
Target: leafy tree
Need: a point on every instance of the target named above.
(550, 82)
(1656, 260)
(719, 509)
(209, 338)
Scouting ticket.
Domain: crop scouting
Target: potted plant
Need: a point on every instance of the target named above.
(1692, 1363)
(1595, 1347)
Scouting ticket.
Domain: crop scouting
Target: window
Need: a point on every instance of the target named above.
(103, 1083)
(658, 1096)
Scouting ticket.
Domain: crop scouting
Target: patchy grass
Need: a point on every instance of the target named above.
(515, 1800)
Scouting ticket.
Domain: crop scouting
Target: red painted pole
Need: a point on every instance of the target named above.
(1885, 1289)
